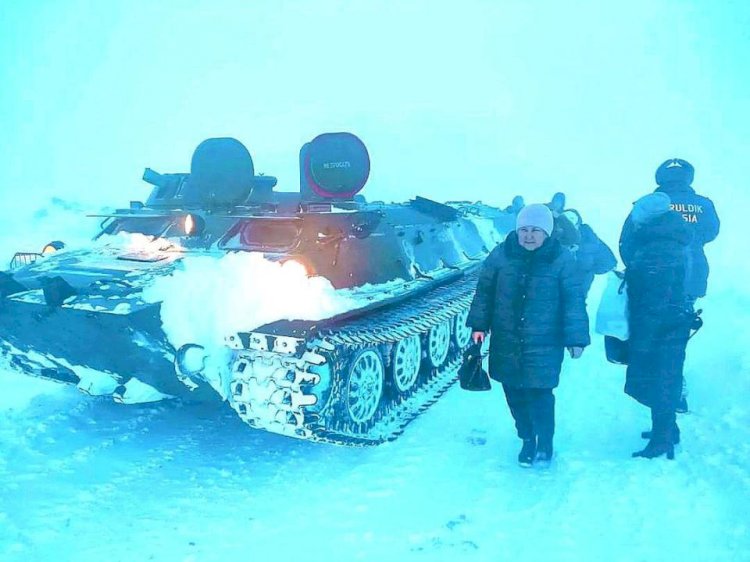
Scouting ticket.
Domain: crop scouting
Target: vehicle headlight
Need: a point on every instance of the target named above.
(296, 266)
(194, 225)
(52, 247)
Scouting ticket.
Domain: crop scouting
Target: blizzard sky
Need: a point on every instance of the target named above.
(469, 100)
(460, 100)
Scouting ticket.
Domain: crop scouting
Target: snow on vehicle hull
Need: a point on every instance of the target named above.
(95, 342)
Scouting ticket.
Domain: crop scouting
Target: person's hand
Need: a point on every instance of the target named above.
(575, 352)
(478, 337)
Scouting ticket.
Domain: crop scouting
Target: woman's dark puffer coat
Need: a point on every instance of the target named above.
(655, 256)
(533, 305)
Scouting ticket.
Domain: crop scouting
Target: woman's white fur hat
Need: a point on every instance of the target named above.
(536, 215)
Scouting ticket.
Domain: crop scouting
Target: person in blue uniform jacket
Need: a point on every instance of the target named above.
(530, 299)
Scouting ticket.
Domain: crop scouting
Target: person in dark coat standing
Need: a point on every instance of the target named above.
(530, 299)
(593, 256)
(653, 247)
(675, 177)
(564, 230)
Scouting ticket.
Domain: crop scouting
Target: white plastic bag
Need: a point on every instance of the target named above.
(612, 315)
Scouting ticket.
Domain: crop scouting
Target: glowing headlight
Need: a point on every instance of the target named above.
(52, 247)
(194, 225)
(296, 266)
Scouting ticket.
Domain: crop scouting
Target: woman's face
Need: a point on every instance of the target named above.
(531, 237)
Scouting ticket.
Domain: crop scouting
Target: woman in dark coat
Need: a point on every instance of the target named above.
(593, 256)
(530, 299)
(653, 247)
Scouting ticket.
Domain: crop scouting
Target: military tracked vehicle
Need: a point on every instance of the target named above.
(358, 377)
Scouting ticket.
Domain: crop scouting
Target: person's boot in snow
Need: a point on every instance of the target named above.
(528, 452)
(542, 409)
(656, 449)
(544, 451)
(675, 434)
(662, 437)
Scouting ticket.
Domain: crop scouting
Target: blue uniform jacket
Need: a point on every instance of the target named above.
(700, 215)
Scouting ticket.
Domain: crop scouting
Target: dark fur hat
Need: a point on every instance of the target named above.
(675, 171)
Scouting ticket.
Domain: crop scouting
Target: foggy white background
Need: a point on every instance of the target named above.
(469, 100)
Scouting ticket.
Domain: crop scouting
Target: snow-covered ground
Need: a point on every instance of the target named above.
(87, 479)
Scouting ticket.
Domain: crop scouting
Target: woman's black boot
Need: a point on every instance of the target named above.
(544, 451)
(675, 435)
(656, 449)
(528, 452)
(662, 436)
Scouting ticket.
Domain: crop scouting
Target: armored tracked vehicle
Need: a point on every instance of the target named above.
(355, 378)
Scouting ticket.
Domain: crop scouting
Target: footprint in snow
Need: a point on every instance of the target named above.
(477, 437)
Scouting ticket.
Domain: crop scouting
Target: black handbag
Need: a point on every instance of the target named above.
(617, 350)
(471, 374)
